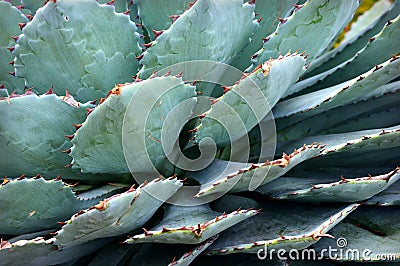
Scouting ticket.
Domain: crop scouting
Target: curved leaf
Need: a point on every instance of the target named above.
(188, 257)
(268, 12)
(366, 19)
(286, 226)
(190, 225)
(114, 254)
(9, 19)
(390, 196)
(40, 251)
(167, 254)
(351, 142)
(49, 202)
(98, 146)
(32, 134)
(205, 31)
(378, 50)
(378, 111)
(250, 99)
(362, 87)
(162, 19)
(120, 5)
(67, 46)
(345, 190)
(372, 231)
(319, 20)
(238, 176)
(367, 25)
(33, 5)
(116, 215)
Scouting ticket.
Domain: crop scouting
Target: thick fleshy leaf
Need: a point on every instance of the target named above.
(117, 215)
(357, 89)
(28, 236)
(280, 225)
(371, 233)
(3, 93)
(9, 19)
(66, 45)
(32, 134)
(114, 254)
(371, 151)
(188, 257)
(53, 201)
(100, 192)
(326, 75)
(352, 170)
(351, 163)
(120, 5)
(365, 20)
(162, 19)
(367, 25)
(345, 190)
(204, 32)
(380, 119)
(390, 196)
(351, 142)
(378, 50)
(319, 20)
(237, 177)
(167, 254)
(33, 5)
(379, 111)
(268, 12)
(309, 82)
(250, 100)
(98, 146)
(190, 225)
(39, 251)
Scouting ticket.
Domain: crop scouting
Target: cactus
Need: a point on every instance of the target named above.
(192, 130)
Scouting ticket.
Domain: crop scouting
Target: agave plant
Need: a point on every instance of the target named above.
(156, 132)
